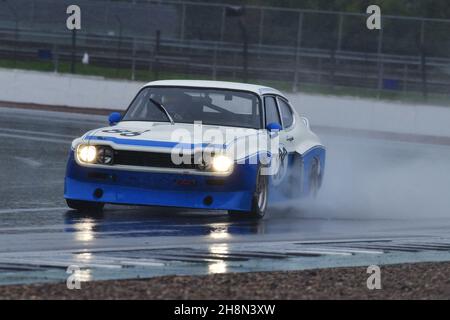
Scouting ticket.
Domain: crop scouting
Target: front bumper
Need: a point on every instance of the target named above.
(161, 189)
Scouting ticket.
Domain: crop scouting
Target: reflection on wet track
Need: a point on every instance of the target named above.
(155, 223)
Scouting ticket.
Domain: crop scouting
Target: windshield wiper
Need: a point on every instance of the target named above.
(163, 109)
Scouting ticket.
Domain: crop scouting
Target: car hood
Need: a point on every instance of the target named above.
(136, 134)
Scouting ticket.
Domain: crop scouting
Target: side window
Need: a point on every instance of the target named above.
(271, 110)
(286, 113)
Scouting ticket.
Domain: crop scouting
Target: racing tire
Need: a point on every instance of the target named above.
(84, 206)
(259, 200)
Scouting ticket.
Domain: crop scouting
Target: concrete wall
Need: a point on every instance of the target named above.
(344, 112)
(355, 113)
(65, 90)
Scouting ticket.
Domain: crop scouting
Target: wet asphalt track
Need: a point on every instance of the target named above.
(383, 202)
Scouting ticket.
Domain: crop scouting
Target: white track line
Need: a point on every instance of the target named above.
(349, 250)
(320, 252)
(32, 210)
(57, 263)
(15, 136)
(30, 162)
(40, 133)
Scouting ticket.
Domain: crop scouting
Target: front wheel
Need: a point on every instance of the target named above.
(85, 205)
(259, 200)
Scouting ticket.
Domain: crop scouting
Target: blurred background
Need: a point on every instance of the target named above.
(307, 46)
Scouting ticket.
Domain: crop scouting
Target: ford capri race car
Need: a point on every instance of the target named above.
(197, 144)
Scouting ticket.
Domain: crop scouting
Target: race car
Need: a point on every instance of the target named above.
(197, 144)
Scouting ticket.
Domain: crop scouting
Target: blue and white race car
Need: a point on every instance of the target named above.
(197, 144)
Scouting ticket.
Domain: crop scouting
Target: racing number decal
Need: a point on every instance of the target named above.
(124, 132)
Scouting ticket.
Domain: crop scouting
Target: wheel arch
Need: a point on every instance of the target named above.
(307, 158)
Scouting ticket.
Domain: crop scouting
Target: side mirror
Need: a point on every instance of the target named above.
(114, 118)
(274, 127)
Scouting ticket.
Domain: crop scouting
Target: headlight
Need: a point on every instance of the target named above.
(105, 155)
(86, 153)
(222, 163)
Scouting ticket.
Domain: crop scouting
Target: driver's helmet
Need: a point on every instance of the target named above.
(177, 103)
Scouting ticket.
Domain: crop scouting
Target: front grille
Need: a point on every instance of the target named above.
(149, 159)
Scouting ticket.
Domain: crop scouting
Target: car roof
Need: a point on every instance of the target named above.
(258, 89)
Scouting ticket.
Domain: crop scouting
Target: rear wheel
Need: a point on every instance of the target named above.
(85, 205)
(259, 200)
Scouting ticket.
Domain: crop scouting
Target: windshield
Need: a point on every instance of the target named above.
(187, 105)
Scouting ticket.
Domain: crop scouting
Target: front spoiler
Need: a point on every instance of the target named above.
(116, 194)
(234, 192)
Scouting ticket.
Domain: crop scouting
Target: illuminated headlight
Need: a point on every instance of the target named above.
(222, 163)
(86, 153)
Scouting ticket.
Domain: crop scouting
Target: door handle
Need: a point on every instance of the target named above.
(290, 138)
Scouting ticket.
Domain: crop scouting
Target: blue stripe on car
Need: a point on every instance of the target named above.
(152, 143)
